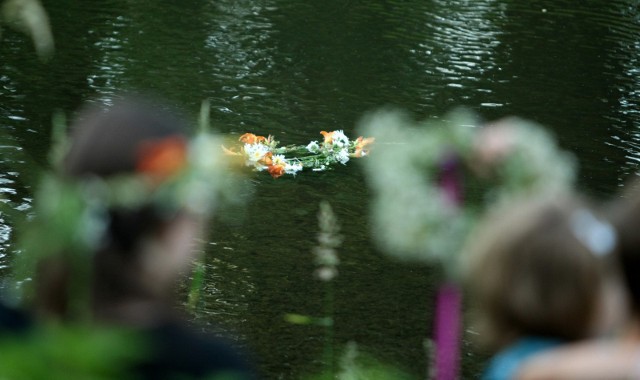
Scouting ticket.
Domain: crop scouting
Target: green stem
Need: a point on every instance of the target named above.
(196, 285)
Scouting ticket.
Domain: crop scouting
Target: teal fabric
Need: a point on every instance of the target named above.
(505, 364)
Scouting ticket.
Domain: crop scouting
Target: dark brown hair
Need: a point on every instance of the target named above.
(528, 274)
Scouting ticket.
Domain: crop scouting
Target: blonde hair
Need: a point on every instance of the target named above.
(528, 274)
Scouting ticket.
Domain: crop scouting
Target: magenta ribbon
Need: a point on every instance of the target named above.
(449, 298)
(447, 331)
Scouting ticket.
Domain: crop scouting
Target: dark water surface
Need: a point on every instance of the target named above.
(294, 68)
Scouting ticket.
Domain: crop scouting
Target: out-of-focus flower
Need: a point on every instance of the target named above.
(162, 159)
(494, 142)
(416, 213)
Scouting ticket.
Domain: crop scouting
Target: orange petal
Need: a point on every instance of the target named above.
(328, 137)
(361, 143)
(266, 159)
(248, 138)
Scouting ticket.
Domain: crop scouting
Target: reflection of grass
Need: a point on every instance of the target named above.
(355, 365)
(326, 260)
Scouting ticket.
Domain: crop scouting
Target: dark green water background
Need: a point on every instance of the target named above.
(293, 68)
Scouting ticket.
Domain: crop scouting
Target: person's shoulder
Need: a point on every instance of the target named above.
(587, 360)
(505, 364)
(181, 349)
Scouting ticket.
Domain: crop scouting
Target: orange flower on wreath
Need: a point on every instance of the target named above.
(267, 159)
(361, 143)
(250, 138)
(328, 137)
(276, 170)
(163, 158)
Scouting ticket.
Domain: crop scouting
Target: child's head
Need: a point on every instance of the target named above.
(144, 247)
(532, 270)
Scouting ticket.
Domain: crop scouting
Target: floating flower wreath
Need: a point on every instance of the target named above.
(420, 174)
(263, 153)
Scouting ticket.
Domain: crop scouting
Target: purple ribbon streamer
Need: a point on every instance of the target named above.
(447, 331)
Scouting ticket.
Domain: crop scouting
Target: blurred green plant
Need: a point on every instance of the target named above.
(29, 17)
(70, 352)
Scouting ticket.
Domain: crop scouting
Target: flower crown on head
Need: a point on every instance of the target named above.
(173, 174)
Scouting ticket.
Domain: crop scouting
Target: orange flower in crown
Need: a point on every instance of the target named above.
(250, 138)
(276, 170)
(162, 158)
(361, 143)
(328, 137)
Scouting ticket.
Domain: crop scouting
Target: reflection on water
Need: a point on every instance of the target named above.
(457, 46)
(107, 75)
(292, 69)
(623, 64)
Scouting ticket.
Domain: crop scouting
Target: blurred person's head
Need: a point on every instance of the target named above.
(147, 246)
(533, 270)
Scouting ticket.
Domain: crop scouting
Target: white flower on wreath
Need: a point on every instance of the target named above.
(313, 147)
(255, 153)
(340, 140)
(279, 159)
(343, 156)
(293, 168)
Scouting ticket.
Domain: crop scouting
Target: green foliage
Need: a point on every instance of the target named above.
(72, 352)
